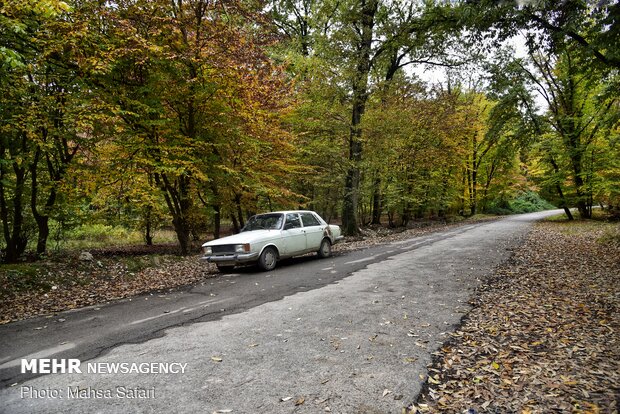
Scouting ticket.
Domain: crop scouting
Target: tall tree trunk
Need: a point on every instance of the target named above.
(239, 211)
(360, 96)
(217, 220)
(41, 218)
(575, 151)
(443, 205)
(392, 69)
(13, 227)
(236, 228)
(558, 188)
(148, 235)
(13, 219)
(376, 201)
(468, 170)
(473, 185)
(176, 194)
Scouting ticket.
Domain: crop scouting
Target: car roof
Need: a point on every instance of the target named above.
(286, 212)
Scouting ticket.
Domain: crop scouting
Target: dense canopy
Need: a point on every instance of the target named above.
(197, 114)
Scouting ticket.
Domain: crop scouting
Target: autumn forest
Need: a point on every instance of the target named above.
(196, 114)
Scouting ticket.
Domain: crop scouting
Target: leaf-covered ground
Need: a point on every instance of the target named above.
(544, 333)
(58, 285)
(64, 282)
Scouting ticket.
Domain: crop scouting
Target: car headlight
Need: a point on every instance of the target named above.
(242, 248)
(207, 250)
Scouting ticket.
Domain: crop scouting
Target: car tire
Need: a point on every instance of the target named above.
(225, 269)
(325, 250)
(268, 259)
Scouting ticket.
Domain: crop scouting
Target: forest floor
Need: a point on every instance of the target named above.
(64, 281)
(544, 333)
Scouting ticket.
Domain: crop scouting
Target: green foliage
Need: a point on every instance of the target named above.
(530, 202)
(120, 119)
(526, 202)
(89, 236)
(98, 233)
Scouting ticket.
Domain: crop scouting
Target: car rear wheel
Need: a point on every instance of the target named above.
(325, 250)
(268, 259)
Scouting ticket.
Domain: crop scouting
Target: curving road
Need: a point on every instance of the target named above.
(348, 334)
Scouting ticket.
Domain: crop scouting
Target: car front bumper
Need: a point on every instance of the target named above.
(231, 258)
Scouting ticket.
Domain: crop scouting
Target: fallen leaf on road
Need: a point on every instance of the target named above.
(300, 401)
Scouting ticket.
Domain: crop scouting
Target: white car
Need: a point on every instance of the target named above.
(269, 237)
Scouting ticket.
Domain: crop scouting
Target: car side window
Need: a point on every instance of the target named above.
(292, 221)
(309, 220)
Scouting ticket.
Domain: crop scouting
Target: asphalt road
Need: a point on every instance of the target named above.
(348, 334)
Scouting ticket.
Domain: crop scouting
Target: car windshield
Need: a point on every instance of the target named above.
(264, 222)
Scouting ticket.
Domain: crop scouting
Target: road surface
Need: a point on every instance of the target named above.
(353, 333)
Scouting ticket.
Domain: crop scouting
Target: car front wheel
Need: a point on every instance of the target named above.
(325, 250)
(268, 259)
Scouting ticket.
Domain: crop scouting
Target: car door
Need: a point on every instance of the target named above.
(314, 231)
(293, 235)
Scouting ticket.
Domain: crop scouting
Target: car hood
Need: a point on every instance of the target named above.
(245, 237)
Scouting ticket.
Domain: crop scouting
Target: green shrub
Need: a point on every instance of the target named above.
(97, 233)
(530, 202)
(526, 202)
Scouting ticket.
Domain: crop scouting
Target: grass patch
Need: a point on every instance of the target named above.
(96, 236)
(599, 225)
(558, 218)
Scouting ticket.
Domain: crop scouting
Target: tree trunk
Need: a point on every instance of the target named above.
(148, 236)
(217, 221)
(182, 230)
(558, 188)
(576, 161)
(473, 185)
(236, 228)
(16, 240)
(376, 201)
(360, 96)
(239, 211)
(42, 219)
(176, 194)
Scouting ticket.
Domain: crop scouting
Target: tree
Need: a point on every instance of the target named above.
(573, 65)
(44, 121)
(581, 113)
(356, 38)
(200, 101)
